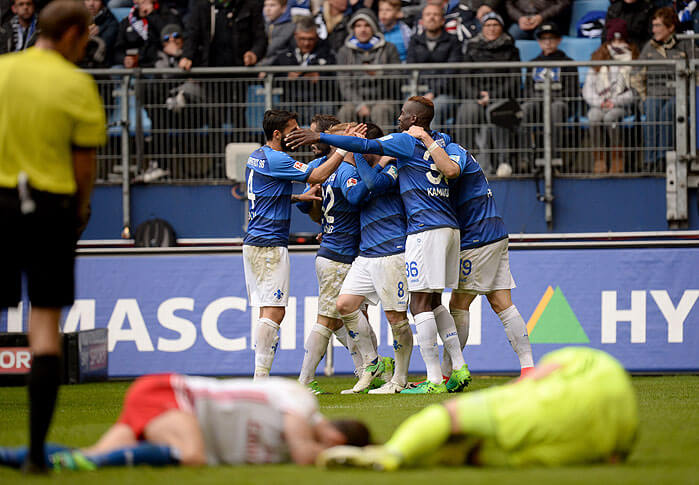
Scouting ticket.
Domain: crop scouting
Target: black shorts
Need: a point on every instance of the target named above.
(41, 245)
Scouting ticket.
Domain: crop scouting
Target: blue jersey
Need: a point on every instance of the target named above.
(479, 221)
(270, 174)
(382, 217)
(340, 219)
(424, 190)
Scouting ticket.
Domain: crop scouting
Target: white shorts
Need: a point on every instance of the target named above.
(485, 269)
(266, 275)
(432, 260)
(331, 275)
(379, 279)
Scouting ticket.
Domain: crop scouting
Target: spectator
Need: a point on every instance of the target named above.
(485, 88)
(20, 31)
(636, 14)
(298, 9)
(138, 40)
(365, 97)
(279, 29)
(332, 21)
(435, 45)
(564, 85)
(394, 29)
(608, 91)
(527, 15)
(654, 86)
(307, 50)
(103, 34)
(224, 34)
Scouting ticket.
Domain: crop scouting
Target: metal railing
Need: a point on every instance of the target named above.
(168, 126)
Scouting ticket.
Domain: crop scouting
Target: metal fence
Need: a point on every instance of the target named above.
(170, 126)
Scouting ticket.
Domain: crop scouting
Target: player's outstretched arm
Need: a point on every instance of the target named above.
(325, 170)
(441, 159)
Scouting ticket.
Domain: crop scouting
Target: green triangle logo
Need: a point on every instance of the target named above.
(558, 323)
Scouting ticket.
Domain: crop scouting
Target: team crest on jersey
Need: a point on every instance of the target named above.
(455, 158)
(301, 167)
(351, 182)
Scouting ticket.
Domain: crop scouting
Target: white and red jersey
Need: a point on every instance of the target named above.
(243, 421)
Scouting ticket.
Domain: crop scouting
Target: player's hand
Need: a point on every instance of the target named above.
(319, 237)
(310, 195)
(418, 132)
(383, 161)
(356, 130)
(185, 64)
(430, 96)
(249, 58)
(301, 137)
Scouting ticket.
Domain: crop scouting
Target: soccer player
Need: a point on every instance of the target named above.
(485, 264)
(338, 247)
(578, 406)
(51, 122)
(432, 243)
(378, 273)
(270, 173)
(171, 419)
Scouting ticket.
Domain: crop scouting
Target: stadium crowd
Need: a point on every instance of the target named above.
(225, 33)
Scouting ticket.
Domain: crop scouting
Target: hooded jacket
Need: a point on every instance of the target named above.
(359, 87)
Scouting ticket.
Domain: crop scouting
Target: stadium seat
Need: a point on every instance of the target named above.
(528, 49)
(579, 49)
(580, 8)
(121, 13)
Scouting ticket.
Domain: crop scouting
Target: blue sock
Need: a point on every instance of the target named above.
(141, 454)
(15, 457)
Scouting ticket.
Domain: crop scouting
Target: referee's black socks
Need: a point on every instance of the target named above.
(44, 379)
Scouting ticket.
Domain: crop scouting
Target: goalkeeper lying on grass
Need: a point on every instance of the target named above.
(170, 419)
(577, 406)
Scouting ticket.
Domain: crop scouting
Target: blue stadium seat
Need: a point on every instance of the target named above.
(528, 49)
(580, 8)
(579, 49)
(121, 13)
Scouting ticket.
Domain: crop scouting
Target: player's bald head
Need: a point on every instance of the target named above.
(61, 15)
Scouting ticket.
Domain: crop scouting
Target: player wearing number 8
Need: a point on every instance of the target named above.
(432, 244)
(270, 173)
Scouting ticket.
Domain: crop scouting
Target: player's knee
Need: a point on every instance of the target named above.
(191, 456)
(345, 305)
(500, 300)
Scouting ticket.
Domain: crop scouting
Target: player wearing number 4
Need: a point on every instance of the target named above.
(270, 173)
(485, 262)
(432, 244)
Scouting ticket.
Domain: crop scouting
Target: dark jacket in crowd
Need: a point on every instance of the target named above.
(637, 17)
(653, 81)
(548, 9)
(565, 83)
(446, 51)
(9, 35)
(128, 38)
(99, 52)
(336, 38)
(308, 89)
(280, 34)
(499, 83)
(6, 10)
(239, 27)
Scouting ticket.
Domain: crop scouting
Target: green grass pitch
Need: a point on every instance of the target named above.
(667, 451)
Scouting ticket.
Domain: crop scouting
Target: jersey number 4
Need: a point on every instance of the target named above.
(251, 196)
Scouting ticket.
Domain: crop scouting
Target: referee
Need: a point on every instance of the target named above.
(51, 121)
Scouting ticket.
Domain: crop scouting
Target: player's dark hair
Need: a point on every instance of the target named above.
(324, 122)
(276, 119)
(60, 15)
(423, 109)
(373, 131)
(356, 432)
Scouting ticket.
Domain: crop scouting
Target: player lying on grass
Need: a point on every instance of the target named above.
(170, 419)
(577, 406)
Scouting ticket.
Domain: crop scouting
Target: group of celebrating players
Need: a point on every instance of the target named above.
(403, 217)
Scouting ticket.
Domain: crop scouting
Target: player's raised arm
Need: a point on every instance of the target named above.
(377, 178)
(444, 164)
